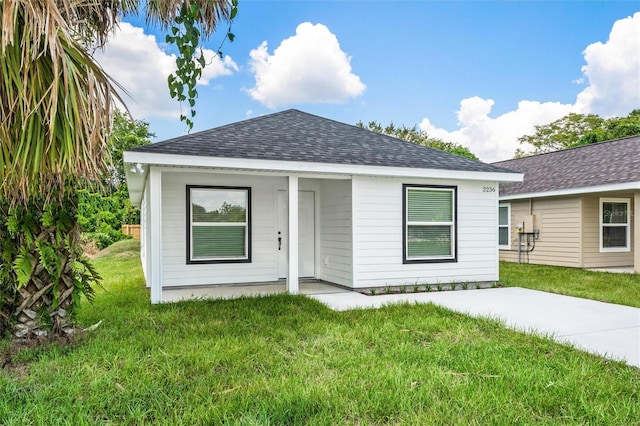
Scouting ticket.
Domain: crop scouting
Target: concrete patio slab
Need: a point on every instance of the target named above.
(605, 329)
(234, 291)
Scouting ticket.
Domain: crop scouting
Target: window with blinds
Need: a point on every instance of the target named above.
(615, 228)
(219, 224)
(430, 224)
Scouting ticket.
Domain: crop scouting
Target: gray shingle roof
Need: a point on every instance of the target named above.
(293, 135)
(612, 162)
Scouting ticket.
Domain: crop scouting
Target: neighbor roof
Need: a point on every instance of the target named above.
(604, 163)
(294, 135)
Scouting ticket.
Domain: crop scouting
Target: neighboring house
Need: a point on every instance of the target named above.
(292, 195)
(581, 201)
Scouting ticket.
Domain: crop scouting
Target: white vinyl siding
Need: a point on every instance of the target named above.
(263, 266)
(378, 229)
(335, 261)
(430, 227)
(504, 226)
(359, 228)
(615, 227)
(219, 224)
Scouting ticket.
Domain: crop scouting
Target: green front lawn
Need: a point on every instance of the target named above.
(286, 360)
(623, 289)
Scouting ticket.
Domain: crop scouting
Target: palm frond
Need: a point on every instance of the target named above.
(164, 12)
(56, 102)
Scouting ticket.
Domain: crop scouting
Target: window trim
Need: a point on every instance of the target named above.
(247, 258)
(454, 225)
(508, 225)
(601, 225)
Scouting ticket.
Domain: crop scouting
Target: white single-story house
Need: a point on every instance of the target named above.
(291, 195)
(580, 204)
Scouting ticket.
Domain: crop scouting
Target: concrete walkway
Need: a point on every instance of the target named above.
(605, 329)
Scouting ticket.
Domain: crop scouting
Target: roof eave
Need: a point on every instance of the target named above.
(626, 186)
(155, 159)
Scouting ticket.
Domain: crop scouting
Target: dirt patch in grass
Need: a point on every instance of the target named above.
(17, 355)
(123, 248)
(90, 249)
(19, 370)
(125, 254)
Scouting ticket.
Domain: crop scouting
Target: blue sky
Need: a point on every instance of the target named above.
(473, 72)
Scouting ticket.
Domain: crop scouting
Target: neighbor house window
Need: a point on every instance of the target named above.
(429, 223)
(614, 224)
(219, 224)
(504, 226)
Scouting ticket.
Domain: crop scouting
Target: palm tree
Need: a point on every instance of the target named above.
(56, 104)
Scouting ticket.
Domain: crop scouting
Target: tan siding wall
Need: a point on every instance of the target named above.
(592, 257)
(559, 221)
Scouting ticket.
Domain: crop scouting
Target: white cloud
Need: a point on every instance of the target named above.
(612, 74)
(613, 71)
(493, 139)
(308, 67)
(136, 61)
(216, 66)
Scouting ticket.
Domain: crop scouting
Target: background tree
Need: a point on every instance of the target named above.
(416, 135)
(103, 209)
(578, 129)
(56, 111)
(126, 133)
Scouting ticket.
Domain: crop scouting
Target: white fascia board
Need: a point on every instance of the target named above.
(307, 167)
(254, 172)
(627, 186)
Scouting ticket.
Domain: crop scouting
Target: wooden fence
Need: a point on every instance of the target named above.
(133, 230)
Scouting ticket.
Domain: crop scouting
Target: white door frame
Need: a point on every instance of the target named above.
(282, 233)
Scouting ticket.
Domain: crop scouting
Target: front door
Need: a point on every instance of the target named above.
(306, 233)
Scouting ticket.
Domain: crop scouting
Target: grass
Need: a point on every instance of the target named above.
(124, 248)
(623, 289)
(284, 360)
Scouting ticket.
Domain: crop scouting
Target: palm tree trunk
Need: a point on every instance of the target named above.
(47, 270)
(45, 302)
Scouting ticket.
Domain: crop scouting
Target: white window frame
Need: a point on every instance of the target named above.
(627, 248)
(508, 226)
(453, 224)
(247, 224)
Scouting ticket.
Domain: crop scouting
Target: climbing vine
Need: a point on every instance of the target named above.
(190, 62)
